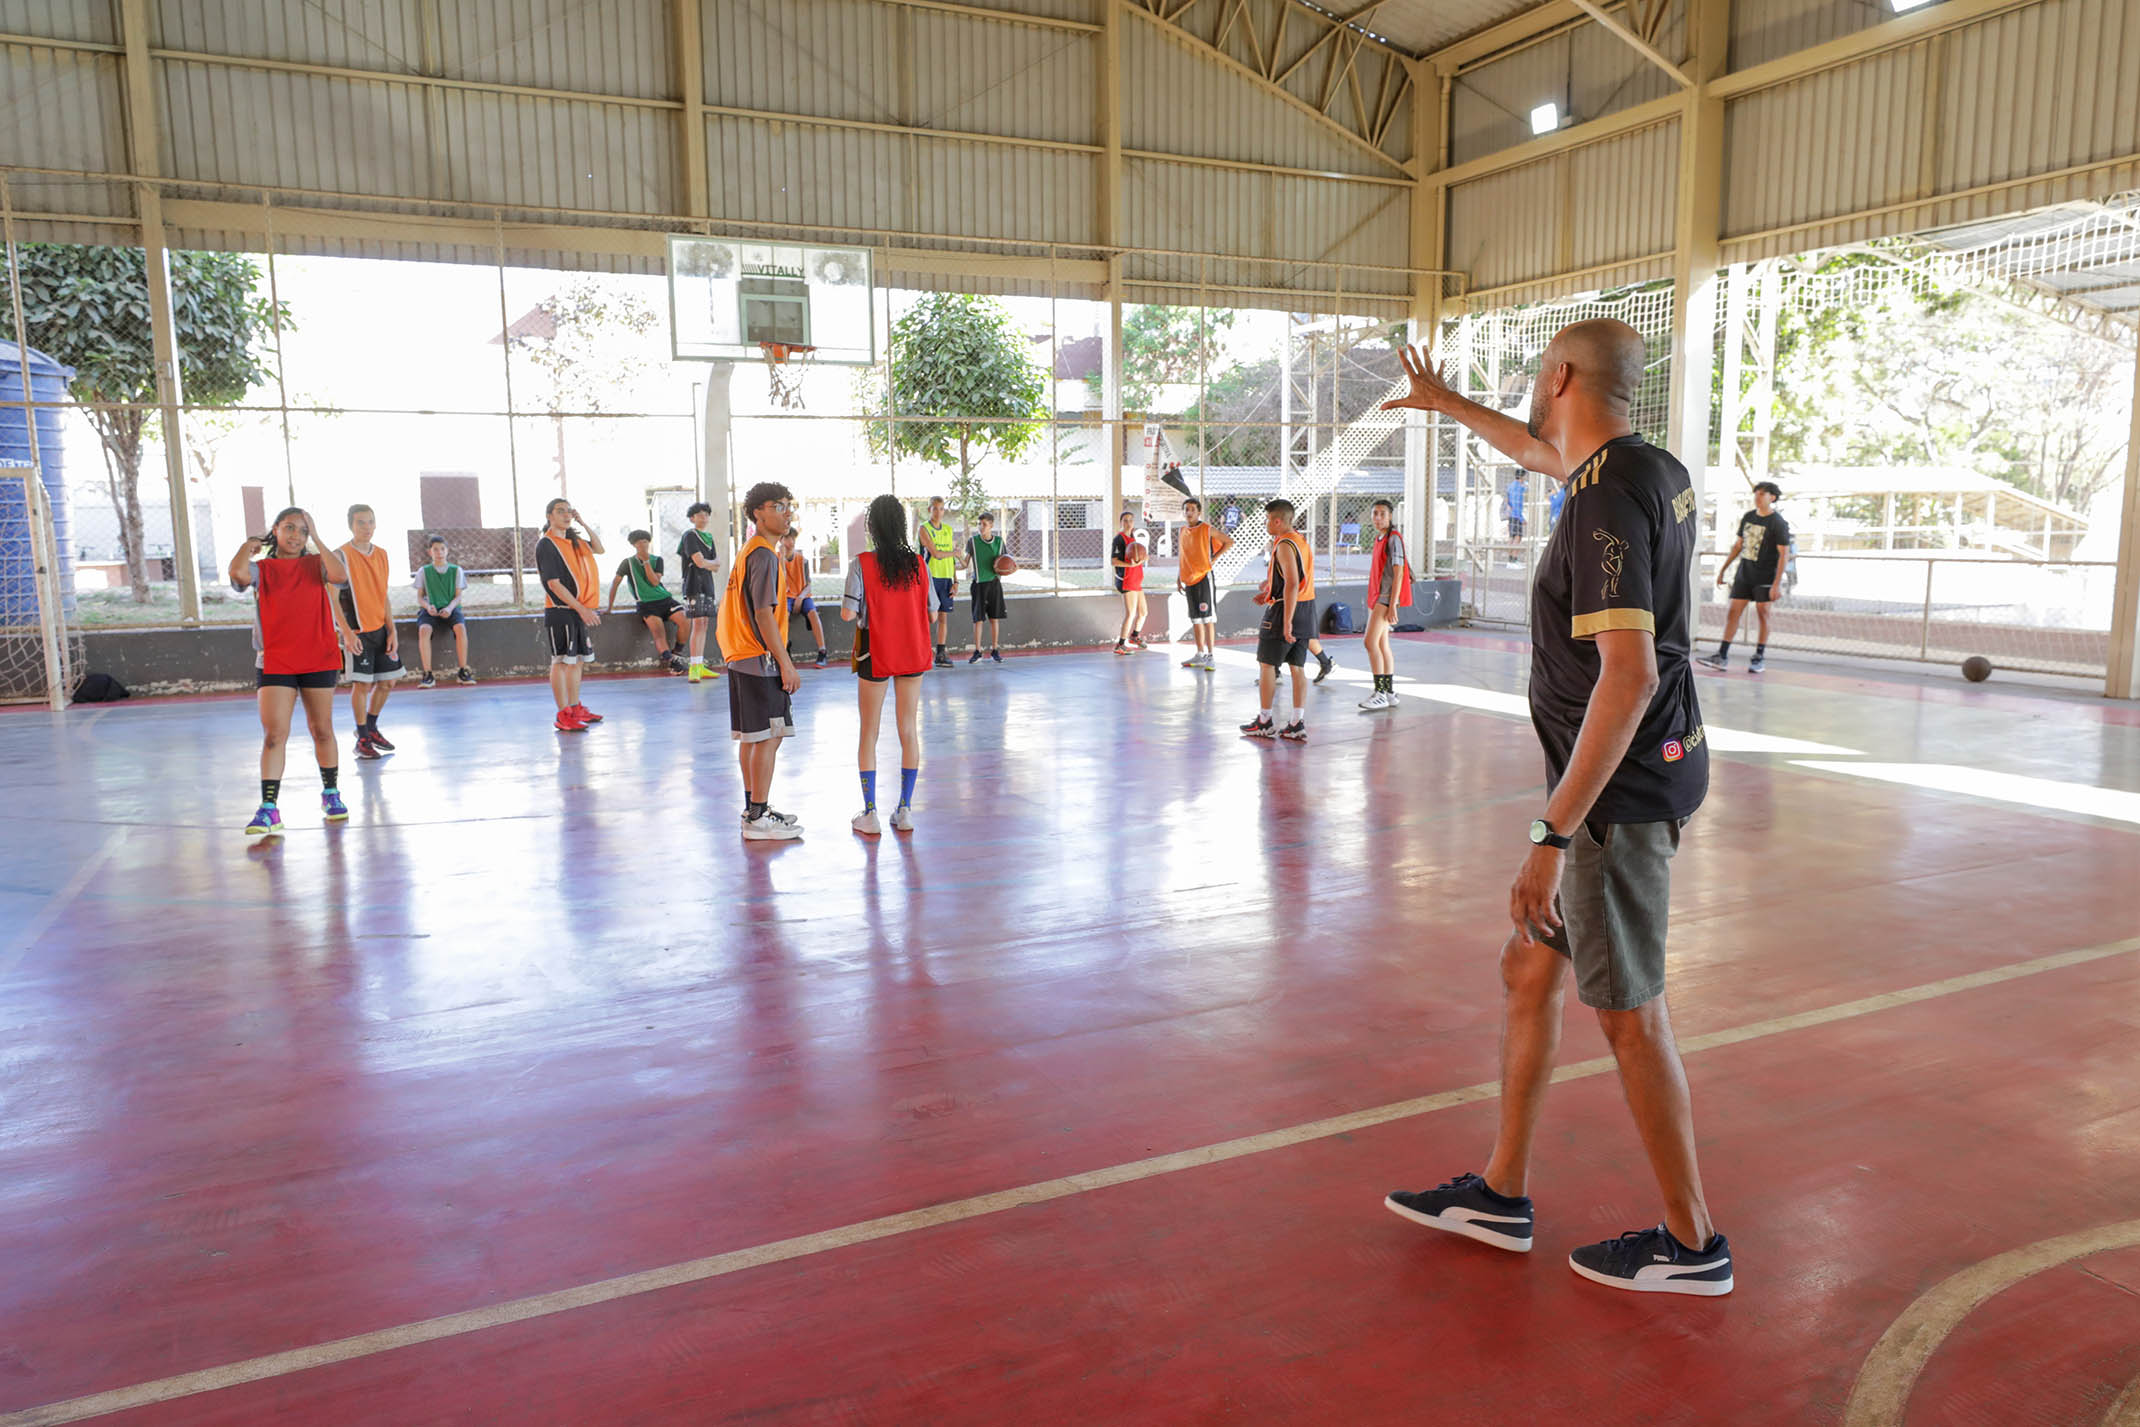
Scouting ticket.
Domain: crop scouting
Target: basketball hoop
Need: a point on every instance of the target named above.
(786, 378)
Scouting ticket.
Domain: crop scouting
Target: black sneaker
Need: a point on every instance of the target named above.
(1652, 1261)
(427, 682)
(1466, 1206)
(976, 657)
(824, 657)
(1754, 665)
(1295, 732)
(1323, 665)
(1714, 661)
(943, 660)
(996, 655)
(366, 749)
(379, 740)
(1260, 727)
(464, 676)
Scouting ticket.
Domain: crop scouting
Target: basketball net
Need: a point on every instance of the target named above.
(786, 376)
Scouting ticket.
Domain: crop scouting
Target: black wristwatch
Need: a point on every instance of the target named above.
(1542, 834)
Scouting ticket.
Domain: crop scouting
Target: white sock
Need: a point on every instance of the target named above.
(1300, 714)
(1264, 713)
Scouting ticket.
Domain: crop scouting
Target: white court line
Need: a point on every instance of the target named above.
(18, 946)
(609, 1290)
(2040, 793)
(1495, 701)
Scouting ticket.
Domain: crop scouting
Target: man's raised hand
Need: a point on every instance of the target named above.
(1430, 390)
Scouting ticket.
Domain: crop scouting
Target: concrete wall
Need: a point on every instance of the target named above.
(216, 658)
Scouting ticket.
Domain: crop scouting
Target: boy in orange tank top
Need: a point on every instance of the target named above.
(364, 620)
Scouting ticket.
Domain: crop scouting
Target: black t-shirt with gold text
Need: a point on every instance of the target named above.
(1764, 538)
(1619, 559)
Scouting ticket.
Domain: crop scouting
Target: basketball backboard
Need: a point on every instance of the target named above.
(728, 298)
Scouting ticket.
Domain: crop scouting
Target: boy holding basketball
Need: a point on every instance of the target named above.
(1201, 547)
(1288, 625)
(983, 550)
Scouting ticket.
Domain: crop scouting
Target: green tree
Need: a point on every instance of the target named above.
(964, 386)
(588, 342)
(1166, 346)
(88, 307)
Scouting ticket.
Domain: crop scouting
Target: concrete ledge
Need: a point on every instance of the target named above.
(219, 658)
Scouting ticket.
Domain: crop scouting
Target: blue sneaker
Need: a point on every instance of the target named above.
(1652, 1261)
(1466, 1206)
(332, 806)
(266, 823)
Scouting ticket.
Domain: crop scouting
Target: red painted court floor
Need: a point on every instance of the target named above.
(534, 1095)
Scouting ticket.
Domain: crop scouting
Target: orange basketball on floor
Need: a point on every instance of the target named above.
(1005, 565)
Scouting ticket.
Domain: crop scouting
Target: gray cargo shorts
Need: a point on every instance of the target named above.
(1615, 903)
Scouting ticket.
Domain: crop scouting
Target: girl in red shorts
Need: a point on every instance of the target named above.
(296, 652)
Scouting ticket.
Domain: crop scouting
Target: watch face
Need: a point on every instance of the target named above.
(1539, 831)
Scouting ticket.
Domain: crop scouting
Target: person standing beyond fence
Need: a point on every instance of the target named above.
(1627, 763)
(1762, 552)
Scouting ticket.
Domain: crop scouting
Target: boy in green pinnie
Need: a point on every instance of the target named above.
(982, 551)
(643, 568)
(439, 588)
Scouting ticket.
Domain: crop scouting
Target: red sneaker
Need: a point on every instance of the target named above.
(568, 721)
(586, 714)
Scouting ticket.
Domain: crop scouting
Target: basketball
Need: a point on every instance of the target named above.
(1976, 668)
(1005, 565)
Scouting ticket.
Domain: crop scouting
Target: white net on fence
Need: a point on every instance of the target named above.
(38, 653)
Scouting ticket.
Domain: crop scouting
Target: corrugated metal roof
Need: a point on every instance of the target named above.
(94, 20)
(1585, 71)
(1601, 213)
(1762, 30)
(64, 109)
(2052, 87)
(1425, 25)
(1175, 100)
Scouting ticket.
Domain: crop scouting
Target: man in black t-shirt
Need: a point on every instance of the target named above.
(1627, 762)
(1762, 551)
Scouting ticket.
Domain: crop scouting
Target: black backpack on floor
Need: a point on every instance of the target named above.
(99, 689)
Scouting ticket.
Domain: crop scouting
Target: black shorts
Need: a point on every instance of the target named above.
(1275, 646)
(1746, 586)
(699, 606)
(864, 665)
(441, 621)
(1203, 601)
(1515, 528)
(318, 679)
(658, 609)
(758, 708)
(566, 634)
(987, 600)
(371, 664)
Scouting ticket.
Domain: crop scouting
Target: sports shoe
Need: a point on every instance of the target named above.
(379, 739)
(976, 657)
(332, 807)
(942, 661)
(698, 672)
(1755, 664)
(1211, 663)
(464, 676)
(1464, 1205)
(266, 823)
(1714, 661)
(824, 657)
(789, 818)
(1121, 648)
(903, 818)
(1294, 732)
(366, 749)
(1194, 661)
(673, 664)
(427, 681)
(587, 715)
(1260, 727)
(1323, 665)
(995, 656)
(865, 823)
(1652, 1261)
(769, 827)
(568, 721)
(1374, 701)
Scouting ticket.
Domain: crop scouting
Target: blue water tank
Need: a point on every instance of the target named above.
(48, 383)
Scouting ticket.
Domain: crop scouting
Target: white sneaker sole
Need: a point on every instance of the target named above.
(779, 832)
(1457, 1226)
(1693, 1288)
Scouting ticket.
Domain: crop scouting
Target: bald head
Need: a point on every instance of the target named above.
(1606, 356)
